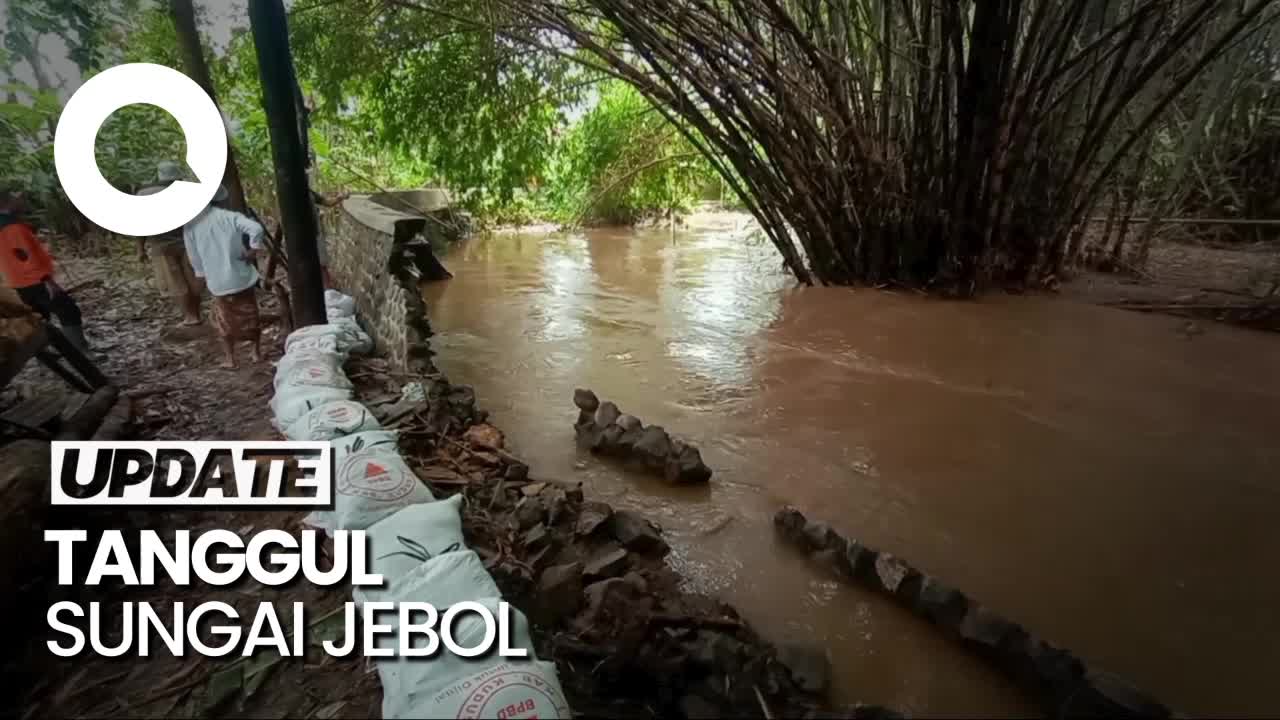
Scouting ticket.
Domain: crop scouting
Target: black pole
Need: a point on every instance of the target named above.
(275, 68)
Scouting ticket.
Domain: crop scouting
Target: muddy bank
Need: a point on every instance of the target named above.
(607, 607)
(627, 639)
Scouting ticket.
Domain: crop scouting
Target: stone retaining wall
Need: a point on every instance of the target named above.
(1054, 676)
(376, 256)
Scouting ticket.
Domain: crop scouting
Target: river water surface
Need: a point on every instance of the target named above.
(1093, 473)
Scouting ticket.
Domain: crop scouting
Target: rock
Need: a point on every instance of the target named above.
(556, 502)
(629, 422)
(484, 436)
(559, 592)
(986, 629)
(859, 561)
(816, 535)
(585, 400)
(637, 581)
(1106, 695)
(687, 467)
(827, 559)
(610, 439)
(617, 599)
(537, 538)
(591, 516)
(717, 651)
(810, 667)
(516, 472)
(533, 489)
(696, 707)
(892, 572)
(607, 414)
(653, 446)
(1059, 672)
(589, 436)
(610, 561)
(574, 494)
(637, 534)
(529, 513)
(941, 603)
(790, 523)
(627, 440)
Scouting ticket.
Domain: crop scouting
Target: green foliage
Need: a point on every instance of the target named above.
(477, 110)
(623, 161)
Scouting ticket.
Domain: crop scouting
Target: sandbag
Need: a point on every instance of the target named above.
(348, 336)
(453, 686)
(337, 304)
(321, 343)
(402, 542)
(332, 421)
(311, 369)
(291, 402)
(358, 341)
(371, 481)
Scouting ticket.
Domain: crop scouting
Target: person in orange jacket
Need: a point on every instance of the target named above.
(28, 268)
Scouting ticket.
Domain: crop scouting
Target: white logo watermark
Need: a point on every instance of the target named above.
(89, 108)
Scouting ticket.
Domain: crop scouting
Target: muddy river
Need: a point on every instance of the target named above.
(1096, 474)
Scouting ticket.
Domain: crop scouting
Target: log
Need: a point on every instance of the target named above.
(86, 421)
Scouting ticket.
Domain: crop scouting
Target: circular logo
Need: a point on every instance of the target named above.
(372, 476)
(77, 131)
(513, 695)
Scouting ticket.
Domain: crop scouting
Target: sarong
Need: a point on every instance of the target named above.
(236, 315)
(173, 271)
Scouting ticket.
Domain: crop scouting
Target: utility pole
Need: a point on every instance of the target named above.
(275, 68)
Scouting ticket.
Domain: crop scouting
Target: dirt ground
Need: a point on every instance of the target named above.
(628, 642)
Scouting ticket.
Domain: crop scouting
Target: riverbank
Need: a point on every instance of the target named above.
(628, 639)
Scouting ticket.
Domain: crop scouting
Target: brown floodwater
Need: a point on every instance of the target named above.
(1096, 474)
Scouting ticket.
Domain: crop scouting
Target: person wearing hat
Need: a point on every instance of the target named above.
(215, 244)
(167, 253)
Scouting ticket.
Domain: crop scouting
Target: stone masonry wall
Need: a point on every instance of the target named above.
(362, 237)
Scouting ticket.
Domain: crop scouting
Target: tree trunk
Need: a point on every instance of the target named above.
(275, 68)
(184, 21)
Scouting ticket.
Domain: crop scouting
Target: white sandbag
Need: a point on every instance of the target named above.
(358, 341)
(514, 689)
(291, 402)
(309, 354)
(332, 421)
(371, 481)
(453, 686)
(311, 369)
(321, 343)
(337, 304)
(402, 542)
(347, 335)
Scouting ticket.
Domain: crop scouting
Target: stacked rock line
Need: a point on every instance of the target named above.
(416, 541)
(1058, 679)
(602, 428)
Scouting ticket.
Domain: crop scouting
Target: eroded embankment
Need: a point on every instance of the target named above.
(627, 640)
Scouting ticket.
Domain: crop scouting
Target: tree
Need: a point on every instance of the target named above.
(192, 51)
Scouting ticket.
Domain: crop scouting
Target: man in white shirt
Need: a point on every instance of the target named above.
(214, 244)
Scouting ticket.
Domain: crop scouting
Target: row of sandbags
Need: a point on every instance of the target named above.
(415, 540)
